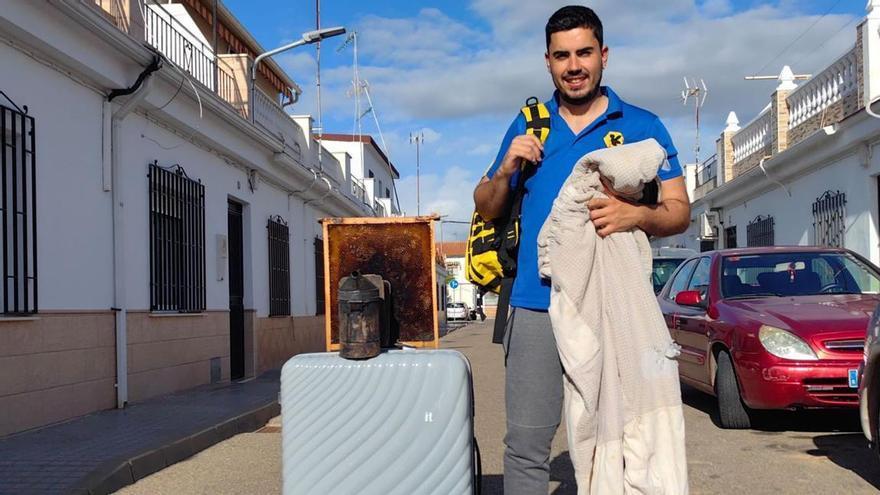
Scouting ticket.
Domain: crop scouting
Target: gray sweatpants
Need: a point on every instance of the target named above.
(533, 392)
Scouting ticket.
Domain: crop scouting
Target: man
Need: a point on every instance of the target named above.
(585, 116)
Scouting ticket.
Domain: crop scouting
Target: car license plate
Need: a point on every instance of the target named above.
(853, 378)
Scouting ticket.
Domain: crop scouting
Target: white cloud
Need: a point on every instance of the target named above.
(430, 135)
(431, 35)
(714, 8)
(448, 193)
(484, 149)
(653, 44)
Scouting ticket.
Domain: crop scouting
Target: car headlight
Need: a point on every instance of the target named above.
(784, 344)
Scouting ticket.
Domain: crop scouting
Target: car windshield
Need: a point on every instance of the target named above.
(796, 274)
(456, 305)
(663, 269)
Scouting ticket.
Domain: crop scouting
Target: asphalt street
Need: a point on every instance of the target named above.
(788, 452)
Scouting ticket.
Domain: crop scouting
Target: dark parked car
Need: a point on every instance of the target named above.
(666, 260)
(869, 383)
(773, 327)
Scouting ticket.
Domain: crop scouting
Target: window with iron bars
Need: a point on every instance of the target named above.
(759, 232)
(730, 237)
(177, 241)
(279, 267)
(18, 208)
(319, 276)
(829, 219)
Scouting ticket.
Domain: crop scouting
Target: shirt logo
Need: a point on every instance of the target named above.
(613, 139)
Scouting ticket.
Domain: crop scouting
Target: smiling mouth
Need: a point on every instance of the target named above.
(575, 82)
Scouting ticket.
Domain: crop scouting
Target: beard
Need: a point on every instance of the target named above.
(592, 94)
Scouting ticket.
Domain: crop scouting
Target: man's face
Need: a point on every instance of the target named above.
(575, 61)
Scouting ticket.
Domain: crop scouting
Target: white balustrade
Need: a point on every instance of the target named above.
(752, 138)
(824, 89)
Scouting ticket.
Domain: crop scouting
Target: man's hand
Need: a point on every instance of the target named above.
(670, 217)
(491, 195)
(613, 215)
(525, 147)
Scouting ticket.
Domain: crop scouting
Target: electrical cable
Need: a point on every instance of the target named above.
(798, 38)
(179, 87)
(817, 48)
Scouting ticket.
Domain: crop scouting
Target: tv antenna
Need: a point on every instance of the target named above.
(357, 85)
(698, 92)
(362, 86)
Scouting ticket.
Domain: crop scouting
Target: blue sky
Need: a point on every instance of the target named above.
(459, 70)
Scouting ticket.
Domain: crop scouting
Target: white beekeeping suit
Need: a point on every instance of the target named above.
(622, 395)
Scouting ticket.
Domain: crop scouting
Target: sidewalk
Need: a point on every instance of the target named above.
(105, 451)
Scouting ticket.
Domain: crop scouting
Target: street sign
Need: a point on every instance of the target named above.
(454, 284)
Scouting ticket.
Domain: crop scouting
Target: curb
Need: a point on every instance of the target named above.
(114, 475)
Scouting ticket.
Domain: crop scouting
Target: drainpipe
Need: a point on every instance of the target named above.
(303, 191)
(304, 223)
(327, 193)
(771, 179)
(138, 92)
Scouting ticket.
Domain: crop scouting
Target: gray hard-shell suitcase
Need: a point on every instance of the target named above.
(401, 422)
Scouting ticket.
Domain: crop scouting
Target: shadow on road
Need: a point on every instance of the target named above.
(844, 444)
(849, 451)
(770, 422)
(561, 470)
(700, 401)
(445, 328)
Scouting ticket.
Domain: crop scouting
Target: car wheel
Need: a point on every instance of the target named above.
(733, 413)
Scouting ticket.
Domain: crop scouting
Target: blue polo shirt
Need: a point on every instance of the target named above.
(621, 123)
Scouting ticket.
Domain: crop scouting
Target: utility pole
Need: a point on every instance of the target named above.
(699, 93)
(417, 139)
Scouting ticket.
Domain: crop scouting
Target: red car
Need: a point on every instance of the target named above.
(772, 327)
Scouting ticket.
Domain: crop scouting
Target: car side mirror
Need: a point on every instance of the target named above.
(689, 298)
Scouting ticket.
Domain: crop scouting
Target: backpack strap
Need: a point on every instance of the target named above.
(537, 124)
(537, 118)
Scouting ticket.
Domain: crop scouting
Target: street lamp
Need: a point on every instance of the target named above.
(307, 39)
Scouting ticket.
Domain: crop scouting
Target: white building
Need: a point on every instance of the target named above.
(805, 170)
(160, 225)
(462, 290)
(372, 172)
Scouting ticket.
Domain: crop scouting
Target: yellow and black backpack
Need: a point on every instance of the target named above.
(492, 246)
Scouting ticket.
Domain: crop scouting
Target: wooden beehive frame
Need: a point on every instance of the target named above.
(330, 313)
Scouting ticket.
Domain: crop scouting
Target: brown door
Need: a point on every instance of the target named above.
(236, 291)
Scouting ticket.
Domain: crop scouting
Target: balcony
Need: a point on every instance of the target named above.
(797, 112)
(269, 115)
(358, 190)
(181, 29)
(116, 11)
(752, 143)
(189, 51)
(706, 178)
(825, 99)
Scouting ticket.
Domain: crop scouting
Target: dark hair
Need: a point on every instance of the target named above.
(573, 17)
